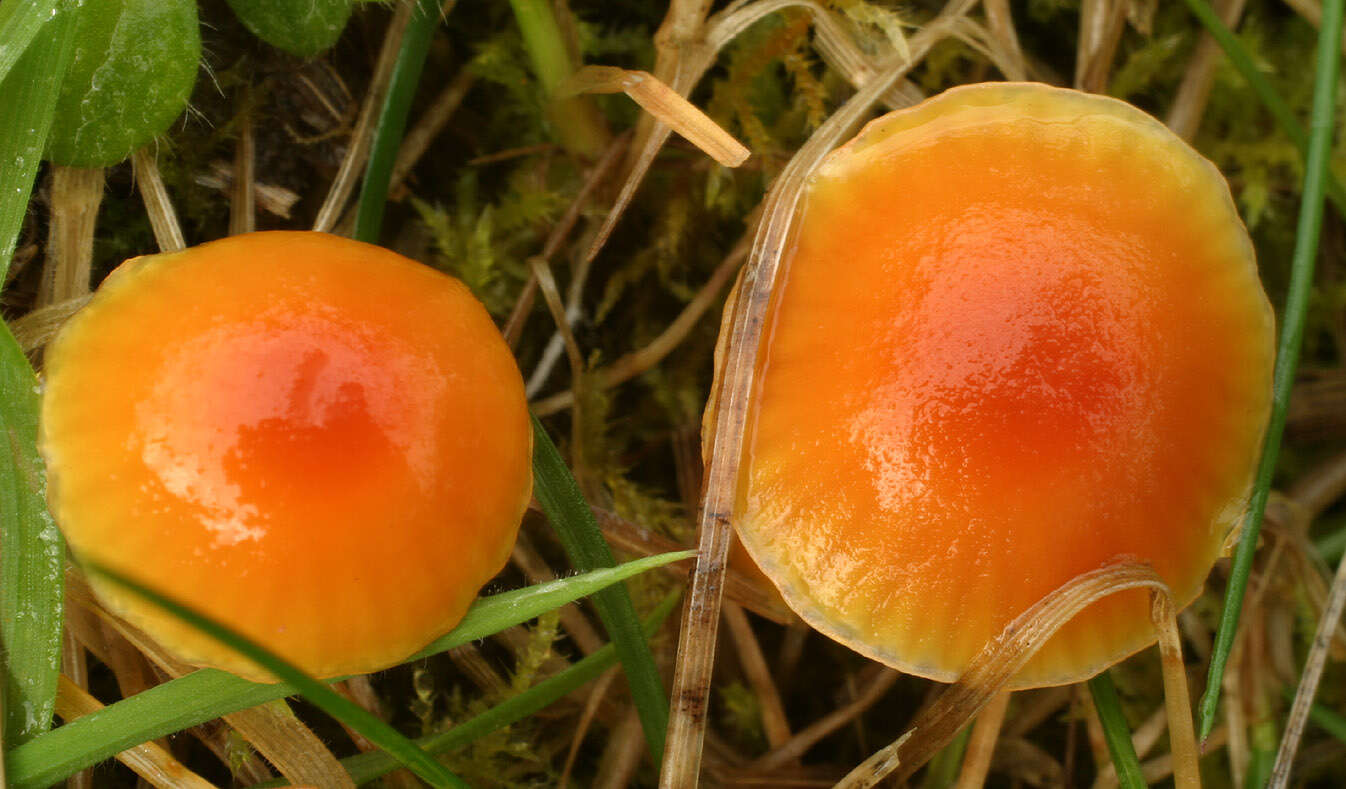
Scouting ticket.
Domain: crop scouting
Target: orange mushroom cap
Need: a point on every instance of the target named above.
(316, 441)
(1019, 336)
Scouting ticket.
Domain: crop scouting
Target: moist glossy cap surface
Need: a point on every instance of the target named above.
(1020, 335)
(316, 441)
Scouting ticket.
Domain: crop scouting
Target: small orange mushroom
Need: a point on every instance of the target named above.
(1019, 336)
(315, 441)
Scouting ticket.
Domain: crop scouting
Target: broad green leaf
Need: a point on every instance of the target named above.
(31, 549)
(134, 68)
(28, 89)
(19, 23)
(300, 27)
(207, 694)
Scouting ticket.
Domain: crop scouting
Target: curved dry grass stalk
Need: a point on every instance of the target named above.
(1308, 683)
(936, 725)
(664, 103)
(150, 761)
(242, 196)
(36, 328)
(1189, 105)
(981, 746)
(806, 738)
(163, 219)
(696, 644)
(363, 136)
(632, 364)
(688, 48)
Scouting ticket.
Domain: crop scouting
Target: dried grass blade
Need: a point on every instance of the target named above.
(1317, 178)
(664, 103)
(148, 760)
(1177, 699)
(361, 138)
(997, 662)
(696, 643)
(981, 746)
(289, 745)
(163, 219)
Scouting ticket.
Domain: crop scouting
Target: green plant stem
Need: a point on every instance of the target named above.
(1292, 335)
(944, 767)
(579, 126)
(392, 123)
(1115, 732)
(560, 497)
(406, 752)
(368, 766)
(1266, 93)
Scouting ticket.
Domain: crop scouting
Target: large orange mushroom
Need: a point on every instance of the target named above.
(313, 440)
(1019, 336)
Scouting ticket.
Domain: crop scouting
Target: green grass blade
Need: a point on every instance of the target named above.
(19, 23)
(1115, 732)
(31, 560)
(406, 752)
(368, 766)
(207, 694)
(942, 772)
(1266, 93)
(31, 68)
(560, 497)
(392, 123)
(1292, 335)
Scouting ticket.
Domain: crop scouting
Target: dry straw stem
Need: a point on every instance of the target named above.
(664, 103)
(997, 662)
(150, 761)
(1189, 105)
(591, 704)
(1101, 23)
(242, 202)
(1308, 683)
(812, 734)
(36, 328)
(76, 193)
(696, 644)
(632, 364)
(163, 219)
(687, 45)
(750, 656)
(357, 152)
(981, 746)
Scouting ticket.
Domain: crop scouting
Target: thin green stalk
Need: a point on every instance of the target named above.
(1115, 732)
(31, 549)
(579, 126)
(1266, 93)
(1292, 335)
(368, 766)
(560, 497)
(208, 694)
(392, 123)
(944, 767)
(406, 752)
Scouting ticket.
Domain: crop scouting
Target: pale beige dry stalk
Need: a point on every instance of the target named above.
(696, 643)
